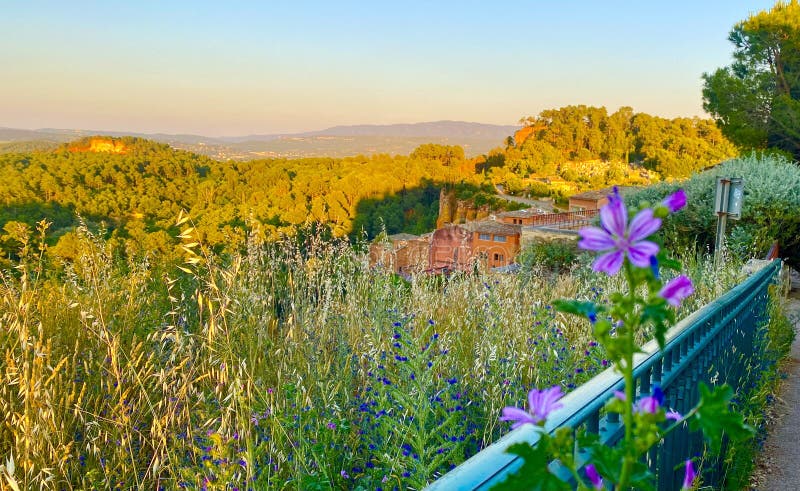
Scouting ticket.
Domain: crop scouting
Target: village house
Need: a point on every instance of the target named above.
(520, 217)
(494, 244)
(590, 200)
(483, 244)
(594, 200)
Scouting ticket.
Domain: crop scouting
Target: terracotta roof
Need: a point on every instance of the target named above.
(491, 227)
(593, 195)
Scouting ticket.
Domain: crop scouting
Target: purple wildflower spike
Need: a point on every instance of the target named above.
(652, 403)
(594, 476)
(688, 477)
(654, 267)
(674, 415)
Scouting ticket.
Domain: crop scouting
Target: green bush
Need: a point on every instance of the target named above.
(538, 189)
(551, 256)
(770, 211)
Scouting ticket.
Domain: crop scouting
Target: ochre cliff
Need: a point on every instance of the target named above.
(452, 210)
(100, 145)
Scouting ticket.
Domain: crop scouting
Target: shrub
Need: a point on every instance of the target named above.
(554, 256)
(769, 211)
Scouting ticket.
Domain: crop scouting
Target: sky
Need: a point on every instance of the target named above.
(238, 68)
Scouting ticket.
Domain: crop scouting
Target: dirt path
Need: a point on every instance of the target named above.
(779, 465)
(541, 204)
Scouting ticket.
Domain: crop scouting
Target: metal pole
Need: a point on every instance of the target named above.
(722, 220)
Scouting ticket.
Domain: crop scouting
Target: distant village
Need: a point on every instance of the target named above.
(489, 244)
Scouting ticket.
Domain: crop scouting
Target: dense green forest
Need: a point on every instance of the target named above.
(137, 192)
(552, 143)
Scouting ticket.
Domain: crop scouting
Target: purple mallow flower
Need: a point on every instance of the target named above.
(594, 477)
(688, 476)
(652, 403)
(649, 404)
(540, 404)
(676, 290)
(675, 201)
(616, 240)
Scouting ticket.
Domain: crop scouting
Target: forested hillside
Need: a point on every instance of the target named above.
(634, 148)
(136, 188)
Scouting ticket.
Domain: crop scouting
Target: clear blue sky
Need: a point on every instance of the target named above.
(233, 68)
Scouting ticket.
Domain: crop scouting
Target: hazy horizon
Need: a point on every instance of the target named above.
(248, 69)
(313, 130)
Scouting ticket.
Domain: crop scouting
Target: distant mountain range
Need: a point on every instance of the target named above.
(338, 141)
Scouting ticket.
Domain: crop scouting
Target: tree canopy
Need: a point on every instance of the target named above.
(756, 100)
(134, 188)
(593, 148)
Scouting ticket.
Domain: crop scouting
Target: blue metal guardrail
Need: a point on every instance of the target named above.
(720, 343)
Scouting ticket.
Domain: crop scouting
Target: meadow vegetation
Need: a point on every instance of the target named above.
(291, 365)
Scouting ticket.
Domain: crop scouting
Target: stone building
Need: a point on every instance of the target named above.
(483, 244)
(589, 200)
(450, 249)
(404, 254)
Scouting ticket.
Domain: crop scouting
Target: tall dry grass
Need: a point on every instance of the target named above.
(290, 366)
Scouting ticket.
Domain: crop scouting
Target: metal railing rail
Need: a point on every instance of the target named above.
(720, 343)
(565, 218)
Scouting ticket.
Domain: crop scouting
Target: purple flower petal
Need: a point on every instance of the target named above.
(593, 476)
(609, 263)
(541, 403)
(614, 216)
(620, 395)
(517, 415)
(676, 290)
(674, 415)
(688, 476)
(641, 252)
(675, 201)
(643, 225)
(595, 239)
(545, 401)
(648, 405)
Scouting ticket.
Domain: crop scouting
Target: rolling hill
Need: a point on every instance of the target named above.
(337, 141)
